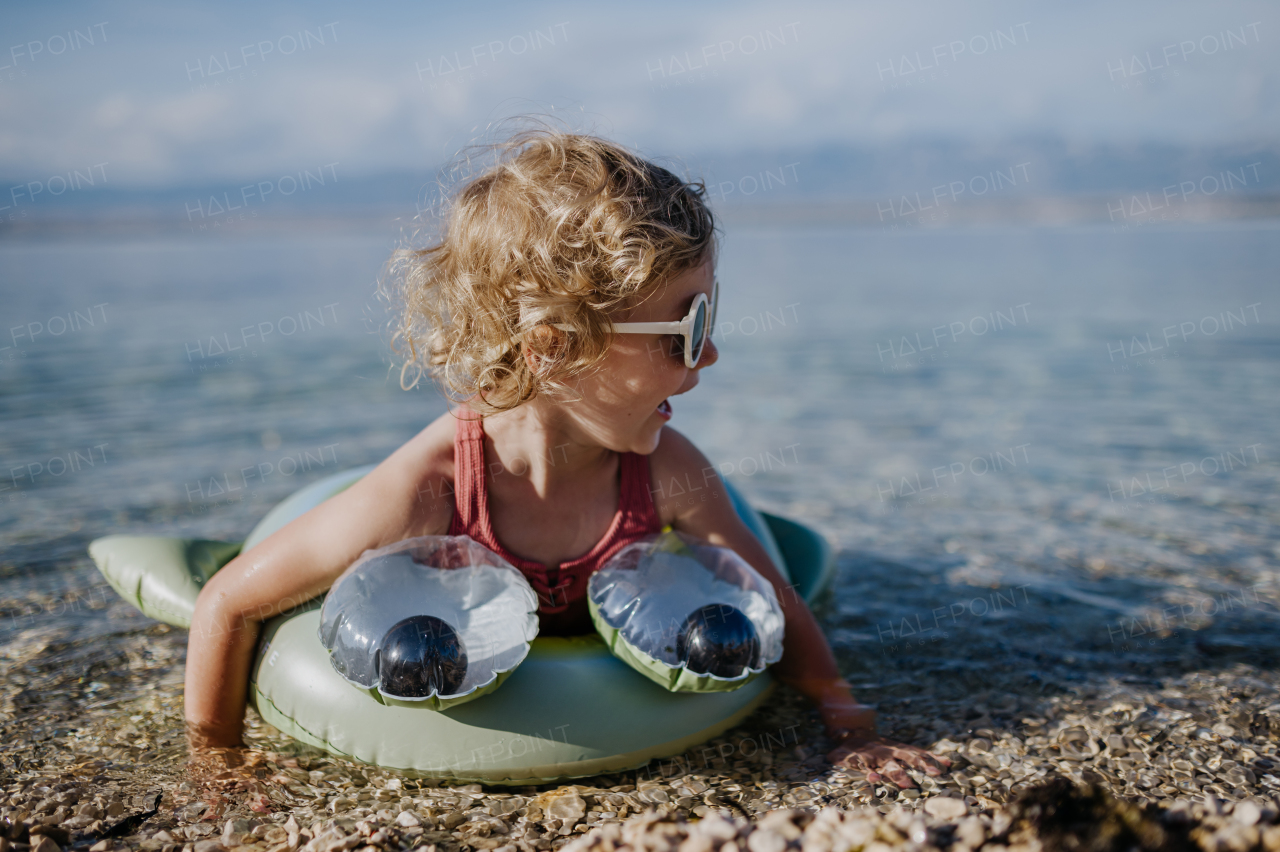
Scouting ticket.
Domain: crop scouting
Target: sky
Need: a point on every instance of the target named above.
(158, 94)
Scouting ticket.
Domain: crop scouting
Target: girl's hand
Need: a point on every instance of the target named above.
(853, 727)
(224, 778)
(883, 758)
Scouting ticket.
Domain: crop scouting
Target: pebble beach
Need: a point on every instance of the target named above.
(1185, 760)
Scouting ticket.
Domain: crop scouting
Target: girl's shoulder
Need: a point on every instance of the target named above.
(419, 477)
(682, 480)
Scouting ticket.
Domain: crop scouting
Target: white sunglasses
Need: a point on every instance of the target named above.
(694, 330)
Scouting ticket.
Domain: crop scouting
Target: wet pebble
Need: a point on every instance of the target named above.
(944, 807)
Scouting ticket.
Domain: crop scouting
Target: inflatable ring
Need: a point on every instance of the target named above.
(570, 710)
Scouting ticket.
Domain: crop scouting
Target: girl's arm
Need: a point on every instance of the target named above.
(297, 563)
(807, 665)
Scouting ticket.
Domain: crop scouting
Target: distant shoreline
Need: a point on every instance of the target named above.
(1122, 211)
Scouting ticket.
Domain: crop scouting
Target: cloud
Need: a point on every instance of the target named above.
(165, 102)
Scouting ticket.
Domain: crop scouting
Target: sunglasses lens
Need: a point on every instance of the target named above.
(699, 332)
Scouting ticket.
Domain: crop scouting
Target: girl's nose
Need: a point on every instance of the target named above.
(709, 355)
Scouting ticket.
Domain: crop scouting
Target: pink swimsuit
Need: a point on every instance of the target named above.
(562, 590)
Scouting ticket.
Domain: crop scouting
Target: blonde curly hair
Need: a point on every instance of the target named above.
(561, 228)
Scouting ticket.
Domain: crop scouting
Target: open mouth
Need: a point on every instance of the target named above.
(664, 409)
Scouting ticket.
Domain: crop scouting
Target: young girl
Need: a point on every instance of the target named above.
(552, 457)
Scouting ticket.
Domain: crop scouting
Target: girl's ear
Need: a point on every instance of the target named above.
(543, 346)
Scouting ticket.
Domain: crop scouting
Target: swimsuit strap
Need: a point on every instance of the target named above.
(468, 474)
(557, 586)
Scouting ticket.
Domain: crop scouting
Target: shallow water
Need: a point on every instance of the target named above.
(1023, 499)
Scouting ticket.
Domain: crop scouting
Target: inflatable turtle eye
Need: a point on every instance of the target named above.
(436, 619)
(420, 656)
(688, 615)
(719, 640)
